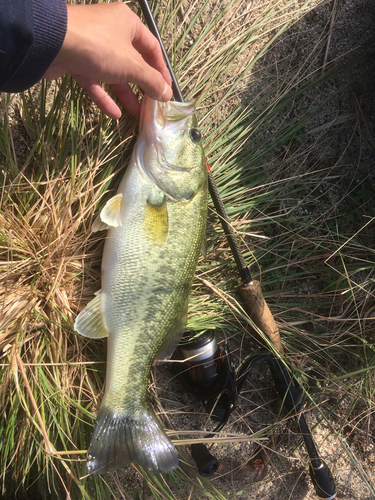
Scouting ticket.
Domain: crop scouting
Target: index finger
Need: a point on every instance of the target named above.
(148, 46)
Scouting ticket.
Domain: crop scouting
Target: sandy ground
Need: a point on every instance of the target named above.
(350, 23)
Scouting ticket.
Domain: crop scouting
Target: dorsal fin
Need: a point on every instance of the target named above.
(173, 338)
(204, 246)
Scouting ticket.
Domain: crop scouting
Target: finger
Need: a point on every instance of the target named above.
(127, 98)
(149, 79)
(166, 75)
(104, 102)
(148, 46)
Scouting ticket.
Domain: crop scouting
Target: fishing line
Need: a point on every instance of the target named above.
(218, 204)
(250, 290)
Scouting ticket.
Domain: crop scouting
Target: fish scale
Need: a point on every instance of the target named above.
(156, 232)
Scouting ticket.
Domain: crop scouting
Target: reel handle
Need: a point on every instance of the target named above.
(207, 464)
(323, 481)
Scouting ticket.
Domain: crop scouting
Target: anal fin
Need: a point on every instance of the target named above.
(99, 225)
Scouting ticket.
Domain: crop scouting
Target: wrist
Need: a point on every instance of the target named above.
(71, 56)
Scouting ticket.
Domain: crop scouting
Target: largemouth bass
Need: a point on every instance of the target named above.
(156, 225)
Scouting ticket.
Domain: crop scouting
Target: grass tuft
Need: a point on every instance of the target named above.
(286, 157)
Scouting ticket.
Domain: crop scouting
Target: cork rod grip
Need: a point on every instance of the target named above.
(260, 313)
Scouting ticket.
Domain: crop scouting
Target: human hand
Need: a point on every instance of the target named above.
(108, 43)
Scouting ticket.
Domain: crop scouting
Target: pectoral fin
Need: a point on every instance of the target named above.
(110, 214)
(89, 322)
(155, 222)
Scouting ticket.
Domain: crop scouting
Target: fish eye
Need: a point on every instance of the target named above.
(195, 135)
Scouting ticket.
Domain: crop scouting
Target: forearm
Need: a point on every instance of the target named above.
(31, 36)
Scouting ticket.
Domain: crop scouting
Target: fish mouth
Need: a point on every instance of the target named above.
(152, 119)
(155, 116)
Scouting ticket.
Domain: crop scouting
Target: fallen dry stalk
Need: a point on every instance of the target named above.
(34, 405)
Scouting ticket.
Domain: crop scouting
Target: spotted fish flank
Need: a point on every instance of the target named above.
(156, 231)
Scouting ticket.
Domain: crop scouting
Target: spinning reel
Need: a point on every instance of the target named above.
(205, 370)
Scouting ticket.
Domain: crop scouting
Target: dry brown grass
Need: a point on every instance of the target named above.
(59, 158)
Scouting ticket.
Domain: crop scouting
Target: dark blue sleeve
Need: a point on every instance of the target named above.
(31, 35)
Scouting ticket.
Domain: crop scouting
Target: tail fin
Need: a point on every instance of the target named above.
(120, 439)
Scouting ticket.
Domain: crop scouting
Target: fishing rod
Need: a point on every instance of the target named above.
(250, 289)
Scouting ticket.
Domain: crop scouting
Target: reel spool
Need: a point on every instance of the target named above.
(206, 372)
(202, 359)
